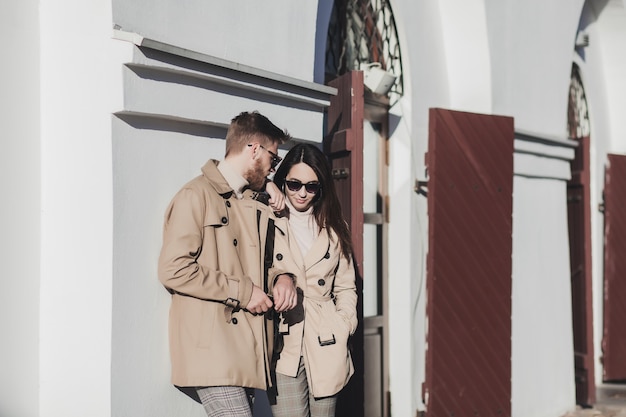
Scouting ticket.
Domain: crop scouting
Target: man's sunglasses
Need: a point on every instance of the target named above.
(275, 158)
(296, 185)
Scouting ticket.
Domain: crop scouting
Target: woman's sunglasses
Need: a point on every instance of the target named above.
(296, 185)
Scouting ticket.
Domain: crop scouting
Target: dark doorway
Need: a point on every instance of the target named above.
(579, 221)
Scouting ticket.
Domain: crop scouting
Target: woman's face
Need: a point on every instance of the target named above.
(301, 186)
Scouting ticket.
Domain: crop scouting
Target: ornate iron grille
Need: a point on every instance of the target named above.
(578, 124)
(363, 32)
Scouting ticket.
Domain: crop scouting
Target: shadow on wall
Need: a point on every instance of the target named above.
(158, 122)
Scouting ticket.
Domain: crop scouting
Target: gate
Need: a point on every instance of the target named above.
(470, 187)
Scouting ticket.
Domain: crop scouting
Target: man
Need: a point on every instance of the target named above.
(212, 262)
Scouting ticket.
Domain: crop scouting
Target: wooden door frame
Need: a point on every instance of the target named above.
(376, 110)
(343, 145)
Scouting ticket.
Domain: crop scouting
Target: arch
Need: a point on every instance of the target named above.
(363, 32)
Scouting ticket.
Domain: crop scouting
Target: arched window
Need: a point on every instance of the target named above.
(363, 32)
(578, 125)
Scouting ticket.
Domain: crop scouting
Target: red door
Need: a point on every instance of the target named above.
(614, 341)
(470, 187)
(579, 225)
(344, 146)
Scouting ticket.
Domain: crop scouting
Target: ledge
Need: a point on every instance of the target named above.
(140, 41)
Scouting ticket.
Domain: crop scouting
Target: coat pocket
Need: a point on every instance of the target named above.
(326, 335)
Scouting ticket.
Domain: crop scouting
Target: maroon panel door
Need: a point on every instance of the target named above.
(470, 187)
(579, 224)
(344, 146)
(614, 341)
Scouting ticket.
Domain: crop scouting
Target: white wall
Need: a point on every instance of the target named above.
(80, 88)
(531, 44)
(426, 85)
(510, 58)
(275, 35)
(602, 64)
(542, 354)
(542, 340)
(150, 167)
(468, 59)
(20, 186)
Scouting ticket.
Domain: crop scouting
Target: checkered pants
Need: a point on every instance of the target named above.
(226, 401)
(294, 399)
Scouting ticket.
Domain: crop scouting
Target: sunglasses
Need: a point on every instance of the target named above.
(275, 158)
(296, 185)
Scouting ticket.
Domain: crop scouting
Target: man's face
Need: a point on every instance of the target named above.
(262, 165)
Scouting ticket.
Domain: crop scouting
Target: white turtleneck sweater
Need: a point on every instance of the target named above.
(233, 178)
(303, 226)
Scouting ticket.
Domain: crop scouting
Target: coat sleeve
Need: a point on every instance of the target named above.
(183, 237)
(345, 292)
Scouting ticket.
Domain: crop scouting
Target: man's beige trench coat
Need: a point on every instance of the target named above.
(327, 280)
(213, 251)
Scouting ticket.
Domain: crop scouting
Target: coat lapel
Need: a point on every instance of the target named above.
(318, 251)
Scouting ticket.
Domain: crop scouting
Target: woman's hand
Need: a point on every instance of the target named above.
(277, 198)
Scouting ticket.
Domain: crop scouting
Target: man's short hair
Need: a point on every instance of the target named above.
(249, 127)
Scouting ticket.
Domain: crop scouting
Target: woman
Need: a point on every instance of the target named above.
(313, 241)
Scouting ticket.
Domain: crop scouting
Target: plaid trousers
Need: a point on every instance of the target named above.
(226, 401)
(294, 400)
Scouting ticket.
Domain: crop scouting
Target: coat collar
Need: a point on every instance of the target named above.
(216, 179)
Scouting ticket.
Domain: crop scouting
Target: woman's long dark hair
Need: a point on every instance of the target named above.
(326, 207)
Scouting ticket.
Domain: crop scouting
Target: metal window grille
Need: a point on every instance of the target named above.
(363, 31)
(578, 124)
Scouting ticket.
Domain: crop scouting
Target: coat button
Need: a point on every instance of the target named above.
(224, 220)
(321, 282)
(279, 256)
(234, 320)
(228, 204)
(235, 242)
(327, 256)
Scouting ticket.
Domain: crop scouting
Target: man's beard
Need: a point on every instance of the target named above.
(256, 177)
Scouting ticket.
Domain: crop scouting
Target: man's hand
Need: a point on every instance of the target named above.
(259, 302)
(284, 292)
(277, 198)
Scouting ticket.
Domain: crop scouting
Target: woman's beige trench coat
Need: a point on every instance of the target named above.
(212, 254)
(327, 279)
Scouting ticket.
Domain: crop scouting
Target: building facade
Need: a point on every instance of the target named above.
(110, 106)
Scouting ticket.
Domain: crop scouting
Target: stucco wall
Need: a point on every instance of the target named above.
(275, 35)
(20, 186)
(510, 58)
(80, 88)
(602, 64)
(150, 167)
(542, 355)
